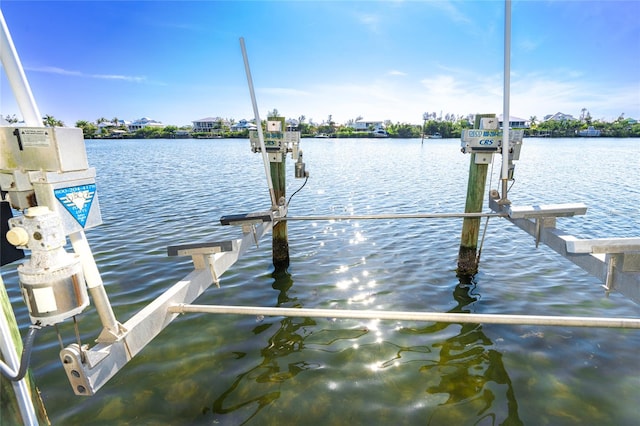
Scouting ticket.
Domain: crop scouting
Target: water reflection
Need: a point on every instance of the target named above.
(458, 379)
(244, 393)
(470, 373)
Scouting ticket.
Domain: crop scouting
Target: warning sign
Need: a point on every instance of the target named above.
(77, 200)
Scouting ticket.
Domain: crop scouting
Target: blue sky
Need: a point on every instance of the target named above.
(180, 61)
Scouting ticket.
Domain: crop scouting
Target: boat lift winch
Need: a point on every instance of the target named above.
(45, 174)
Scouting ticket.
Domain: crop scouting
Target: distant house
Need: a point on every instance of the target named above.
(559, 116)
(366, 125)
(210, 125)
(112, 125)
(292, 124)
(514, 122)
(142, 123)
(243, 125)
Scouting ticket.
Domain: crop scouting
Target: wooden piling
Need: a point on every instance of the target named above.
(467, 256)
(9, 409)
(280, 243)
(280, 237)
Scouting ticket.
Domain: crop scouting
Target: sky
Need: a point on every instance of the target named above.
(177, 62)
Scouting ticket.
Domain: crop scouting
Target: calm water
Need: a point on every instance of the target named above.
(231, 370)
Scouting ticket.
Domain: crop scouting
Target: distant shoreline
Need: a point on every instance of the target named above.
(134, 137)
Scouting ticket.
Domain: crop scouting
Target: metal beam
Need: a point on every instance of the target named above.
(392, 216)
(89, 369)
(546, 210)
(604, 245)
(413, 316)
(607, 267)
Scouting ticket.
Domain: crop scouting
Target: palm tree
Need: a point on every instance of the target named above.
(583, 114)
(88, 129)
(51, 121)
(274, 113)
(11, 119)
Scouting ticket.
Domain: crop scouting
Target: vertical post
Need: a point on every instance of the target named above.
(20, 401)
(254, 102)
(506, 100)
(17, 79)
(280, 243)
(467, 256)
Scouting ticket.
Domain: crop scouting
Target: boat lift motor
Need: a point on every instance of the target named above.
(51, 280)
(45, 174)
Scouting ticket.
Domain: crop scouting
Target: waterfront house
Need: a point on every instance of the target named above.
(514, 122)
(559, 116)
(243, 125)
(213, 125)
(366, 125)
(142, 123)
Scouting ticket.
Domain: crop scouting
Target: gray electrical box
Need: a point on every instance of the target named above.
(47, 166)
(51, 149)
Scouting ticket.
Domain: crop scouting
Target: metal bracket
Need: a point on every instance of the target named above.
(247, 218)
(608, 282)
(251, 228)
(548, 210)
(200, 251)
(604, 245)
(200, 248)
(541, 223)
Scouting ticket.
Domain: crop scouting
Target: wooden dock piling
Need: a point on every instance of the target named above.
(467, 256)
(280, 234)
(277, 163)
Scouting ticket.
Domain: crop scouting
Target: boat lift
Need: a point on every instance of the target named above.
(46, 176)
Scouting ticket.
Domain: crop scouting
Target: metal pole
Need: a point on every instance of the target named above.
(506, 99)
(414, 316)
(9, 352)
(96, 287)
(265, 158)
(17, 79)
(394, 216)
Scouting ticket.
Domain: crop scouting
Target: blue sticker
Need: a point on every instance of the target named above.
(77, 200)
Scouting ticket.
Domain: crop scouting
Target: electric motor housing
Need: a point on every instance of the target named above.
(51, 280)
(52, 296)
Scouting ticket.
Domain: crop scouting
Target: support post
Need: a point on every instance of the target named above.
(467, 256)
(280, 244)
(20, 401)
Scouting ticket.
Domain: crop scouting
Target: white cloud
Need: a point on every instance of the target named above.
(62, 71)
(452, 11)
(133, 79)
(370, 21)
(54, 70)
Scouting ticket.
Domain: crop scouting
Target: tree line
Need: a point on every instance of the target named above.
(448, 127)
